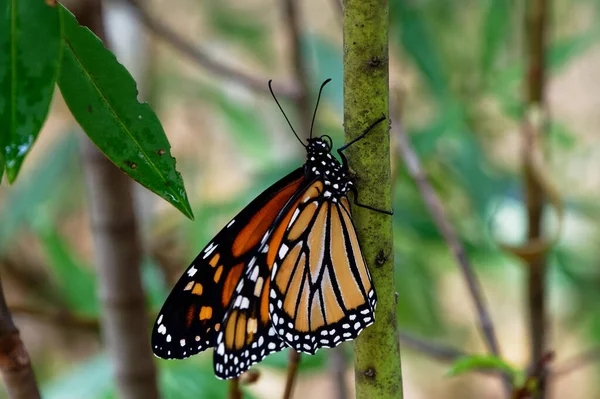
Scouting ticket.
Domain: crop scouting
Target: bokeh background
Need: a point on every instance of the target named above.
(456, 72)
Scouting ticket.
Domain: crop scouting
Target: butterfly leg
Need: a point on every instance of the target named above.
(363, 134)
(355, 191)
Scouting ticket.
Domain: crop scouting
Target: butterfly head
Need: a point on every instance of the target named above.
(321, 164)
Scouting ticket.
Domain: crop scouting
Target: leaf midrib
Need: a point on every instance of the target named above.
(115, 115)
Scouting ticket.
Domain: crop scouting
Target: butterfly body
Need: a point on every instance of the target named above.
(286, 271)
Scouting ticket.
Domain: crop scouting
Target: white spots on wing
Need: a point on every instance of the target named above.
(271, 345)
(169, 338)
(283, 250)
(261, 341)
(357, 325)
(252, 262)
(327, 194)
(221, 349)
(182, 342)
(289, 337)
(159, 319)
(245, 303)
(209, 250)
(254, 274)
(192, 272)
(238, 301)
(162, 329)
(352, 316)
(230, 223)
(365, 311)
(197, 338)
(295, 215)
(265, 249)
(346, 326)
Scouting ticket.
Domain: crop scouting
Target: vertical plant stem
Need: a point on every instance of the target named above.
(536, 19)
(117, 252)
(292, 372)
(15, 365)
(377, 351)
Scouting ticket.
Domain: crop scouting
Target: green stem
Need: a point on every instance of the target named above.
(377, 351)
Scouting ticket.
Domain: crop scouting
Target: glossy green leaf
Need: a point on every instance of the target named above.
(30, 51)
(76, 282)
(496, 29)
(102, 96)
(466, 364)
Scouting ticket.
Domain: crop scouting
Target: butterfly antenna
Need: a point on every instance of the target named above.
(283, 112)
(317, 106)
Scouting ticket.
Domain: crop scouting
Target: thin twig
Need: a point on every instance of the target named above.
(292, 372)
(203, 59)
(436, 209)
(15, 365)
(432, 349)
(292, 20)
(62, 318)
(337, 367)
(234, 389)
(534, 193)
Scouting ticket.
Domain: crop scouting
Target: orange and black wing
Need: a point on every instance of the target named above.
(321, 290)
(247, 335)
(193, 314)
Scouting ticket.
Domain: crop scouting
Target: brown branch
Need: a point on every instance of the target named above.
(432, 349)
(337, 368)
(203, 59)
(292, 372)
(535, 26)
(61, 318)
(117, 253)
(234, 389)
(436, 209)
(15, 365)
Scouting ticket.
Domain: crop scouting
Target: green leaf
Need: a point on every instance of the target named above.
(29, 63)
(496, 29)
(101, 94)
(76, 282)
(469, 363)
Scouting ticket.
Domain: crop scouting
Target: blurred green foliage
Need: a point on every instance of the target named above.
(458, 58)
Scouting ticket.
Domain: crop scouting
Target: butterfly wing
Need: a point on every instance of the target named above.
(248, 335)
(192, 315)
(322, 292)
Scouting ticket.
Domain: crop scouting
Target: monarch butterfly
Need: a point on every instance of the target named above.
(286, 271)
